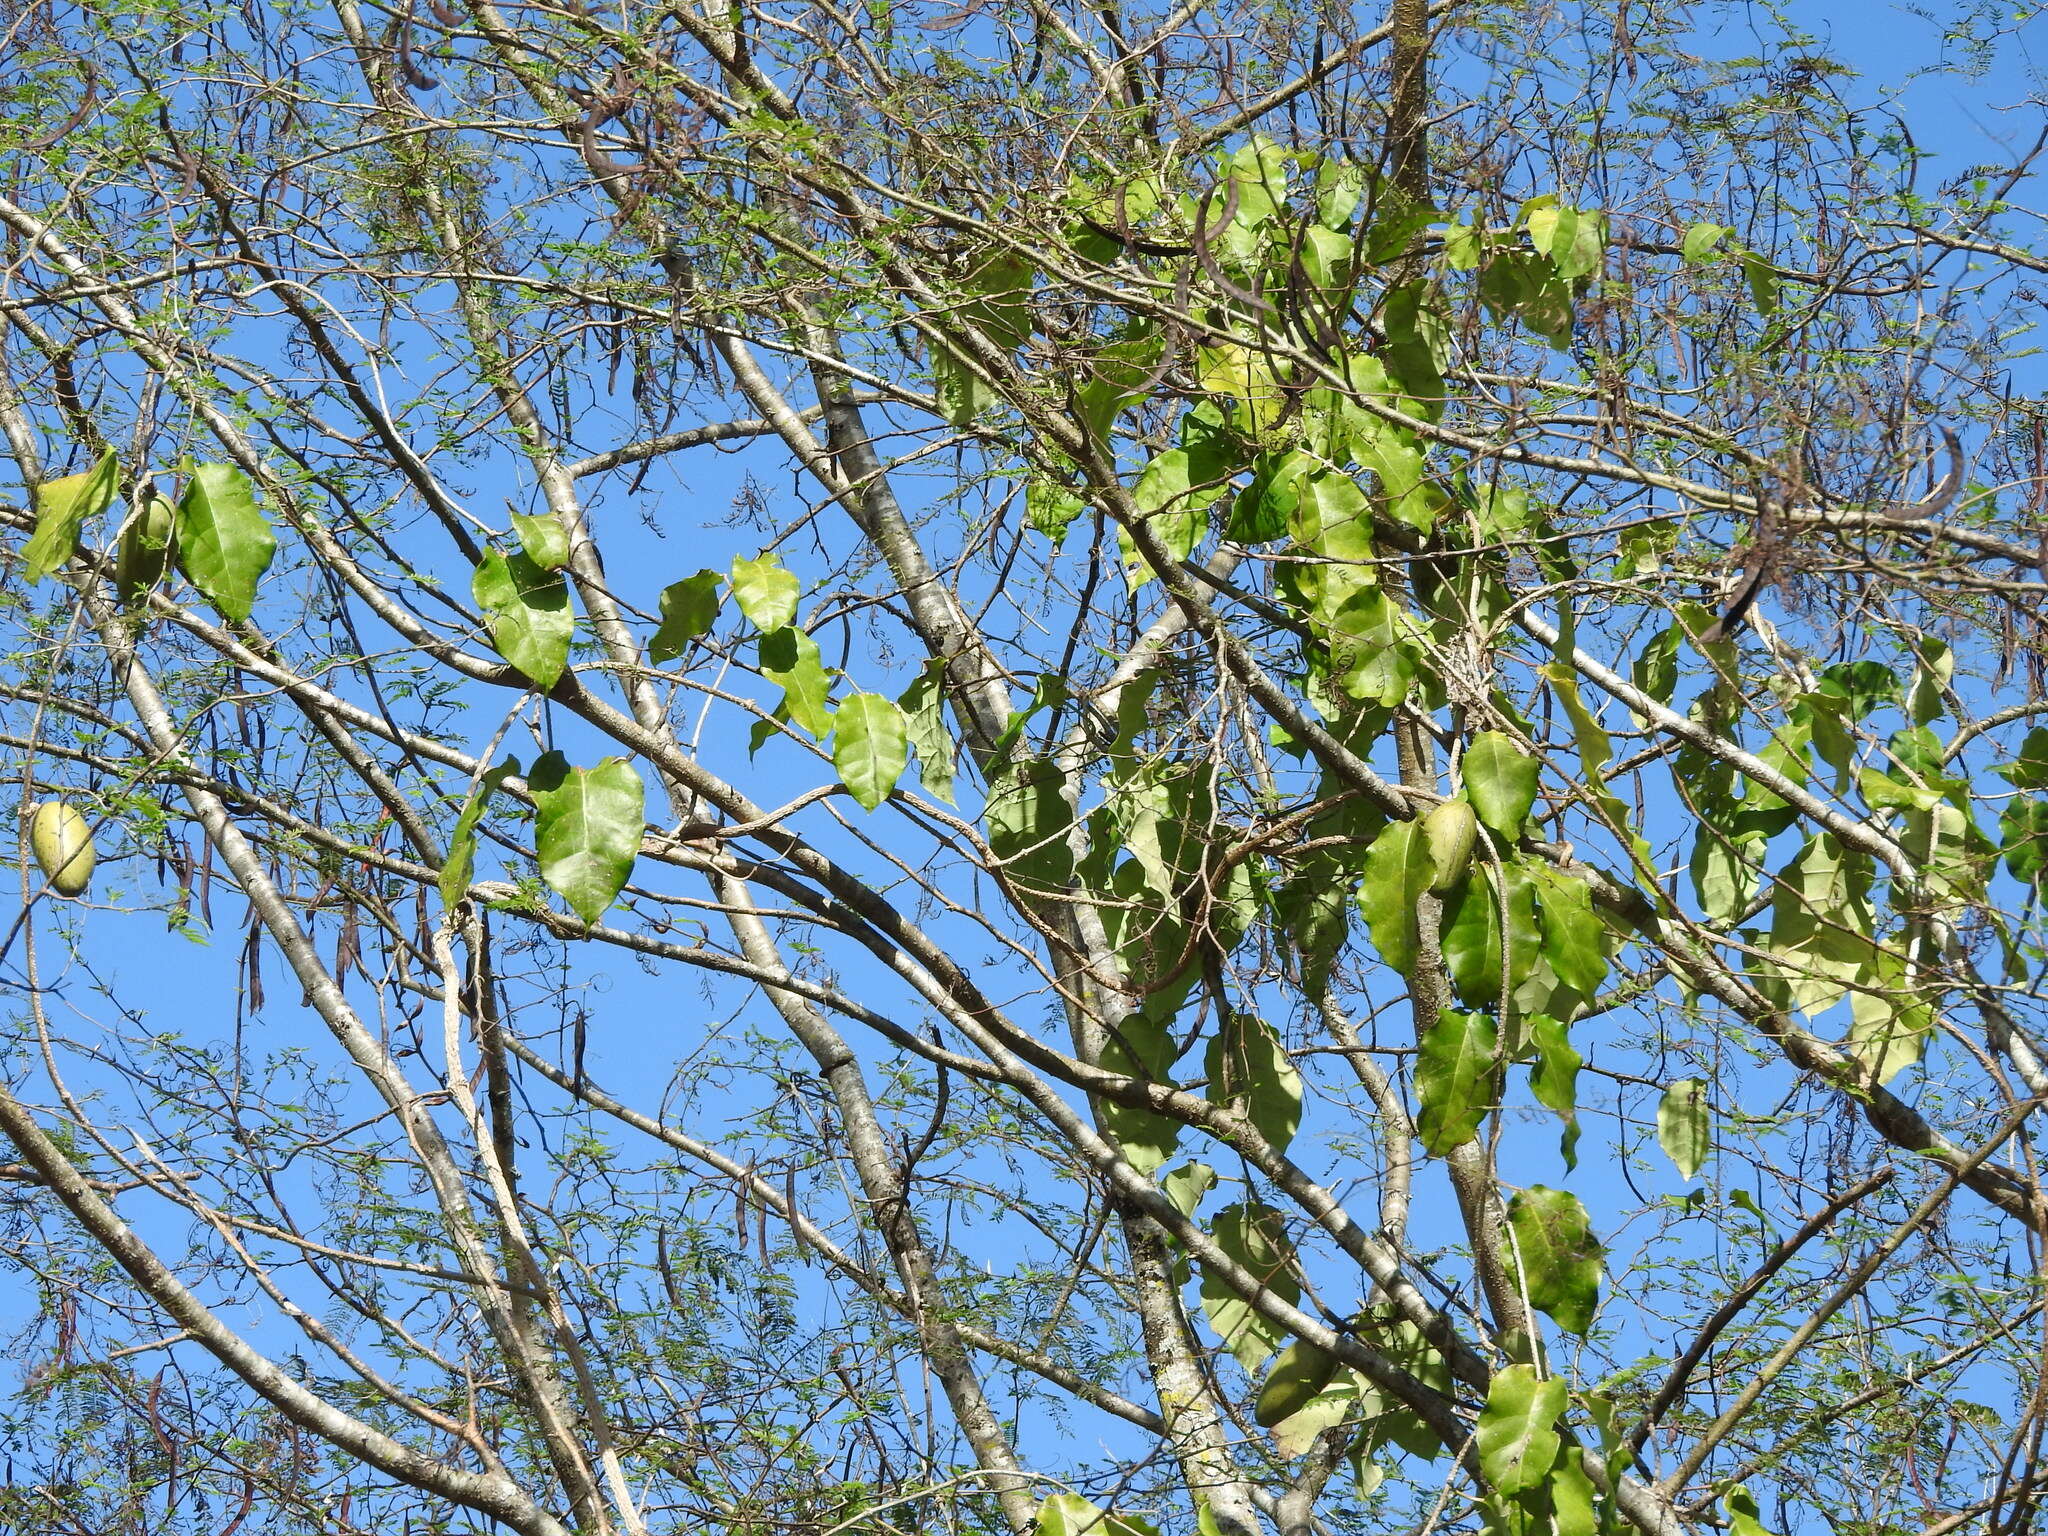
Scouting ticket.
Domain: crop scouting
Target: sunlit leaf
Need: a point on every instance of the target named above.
(1517, 1433)
(1500, 781)
(527, 612)
(765, 591)
(543, 538)
(1397, 874)
(924, 710)
(588, 824)
(63, 507)
(790, 659)
(870, 747)
(1559, 1255)
(224, 540)
(1684, 1126)
(1454, 1079)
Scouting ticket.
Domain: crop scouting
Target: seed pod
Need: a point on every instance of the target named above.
(1297, 1379)
(61, 840)
(1451, 830)
(145, 550)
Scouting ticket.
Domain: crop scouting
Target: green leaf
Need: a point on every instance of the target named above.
(1028, 820)
(688, 609)
(1470, 936)
(1574, 938)
(460, 864)
(1744, 1518)
(588, 823)
(1517, 1433)
(527, 612)
(543, 538)
(1140, 1046)
(1500, 781)
(1051, 508)
(1698, 247)
(1186, 1185)
(1554, 1080)
(2023, 838)
(870, 747)
(1255, 1236)
(1571, 1495)
(1398, 870)
(765, 592)
(790, 659)
(1068, 1514)
(1684, 1127)
(924, 707)
(63, 508)
(1560, 1256)
(1249, 1068)
(1937, 665)
(224, 540)
(1454, 1079)
(1888, 1024)
(1762, 278)
(2029, 770)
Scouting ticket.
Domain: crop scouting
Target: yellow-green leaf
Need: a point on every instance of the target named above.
(62, 508)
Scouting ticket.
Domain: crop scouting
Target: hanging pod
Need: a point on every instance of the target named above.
(61, 839)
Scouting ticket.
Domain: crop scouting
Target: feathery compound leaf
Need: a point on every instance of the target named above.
(224, 540)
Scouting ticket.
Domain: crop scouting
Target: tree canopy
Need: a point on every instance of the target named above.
(1222, 769)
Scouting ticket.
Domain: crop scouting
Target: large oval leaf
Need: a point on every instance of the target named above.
(62, 509)
(1249, 1068)
(765, 592)
(224, 540)
(688, 608)
(1398, 870)
(527, 609)
(1683, 1128)
(1518, 1440)
(1255, 1236)
(870, 747)
(588, 829)
(1500, 781)
(1559, 1254)
(1454, 1079)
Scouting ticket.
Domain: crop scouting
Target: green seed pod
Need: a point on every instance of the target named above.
(61, 840)
(1451, 830)
(145, 549)
(1297, 1379)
